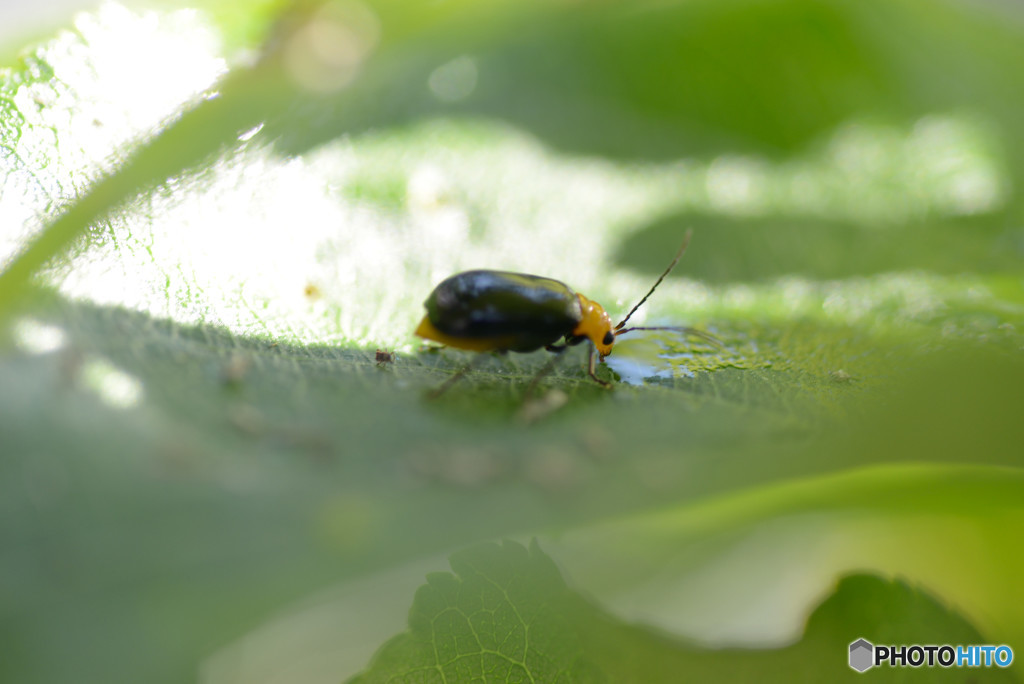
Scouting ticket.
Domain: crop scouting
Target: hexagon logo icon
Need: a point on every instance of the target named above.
(862, 655)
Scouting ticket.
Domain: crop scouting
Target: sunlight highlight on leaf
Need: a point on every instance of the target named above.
(115, 387)
(86, 97)
(36, 337)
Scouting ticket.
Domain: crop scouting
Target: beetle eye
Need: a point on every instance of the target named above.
(608, 338)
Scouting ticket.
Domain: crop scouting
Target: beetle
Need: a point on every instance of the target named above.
(501, 311)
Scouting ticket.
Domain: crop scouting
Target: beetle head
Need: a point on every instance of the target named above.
(595, 325)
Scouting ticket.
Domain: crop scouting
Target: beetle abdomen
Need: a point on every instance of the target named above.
(526, 312)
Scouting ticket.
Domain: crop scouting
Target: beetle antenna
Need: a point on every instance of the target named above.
(693, 332)
(679, 255)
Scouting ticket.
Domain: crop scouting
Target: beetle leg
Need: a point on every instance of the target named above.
(591, 368)
(548, 367)
(443, 387)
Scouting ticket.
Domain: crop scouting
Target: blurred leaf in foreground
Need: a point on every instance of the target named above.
(196, 480)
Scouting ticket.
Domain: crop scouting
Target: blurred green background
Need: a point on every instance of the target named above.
(213, 215)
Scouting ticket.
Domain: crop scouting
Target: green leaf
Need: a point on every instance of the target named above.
(506, 615)
(195, 434)
(246, 473)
